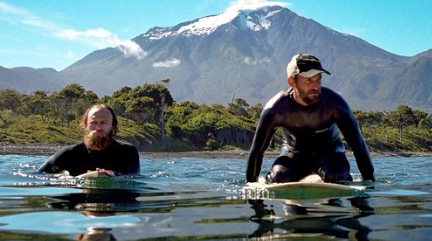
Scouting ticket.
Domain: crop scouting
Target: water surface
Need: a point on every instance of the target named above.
(192, 198)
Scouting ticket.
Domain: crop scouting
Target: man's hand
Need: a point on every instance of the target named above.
(106, 172)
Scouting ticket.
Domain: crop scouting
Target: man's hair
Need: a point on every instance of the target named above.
(84, 119)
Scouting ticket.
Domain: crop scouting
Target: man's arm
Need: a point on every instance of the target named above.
(126, 160)
(49, 167)
(55, 163)
(351, 132)
(134, 163)
(261, 141)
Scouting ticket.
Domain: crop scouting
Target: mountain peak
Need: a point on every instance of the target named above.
(204, 26)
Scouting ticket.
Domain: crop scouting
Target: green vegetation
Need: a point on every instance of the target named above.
(151, 119)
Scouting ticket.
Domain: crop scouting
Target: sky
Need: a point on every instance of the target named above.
(56, 34)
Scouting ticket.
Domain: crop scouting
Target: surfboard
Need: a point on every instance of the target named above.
(310, 187)
(304, 186)
(92, 174)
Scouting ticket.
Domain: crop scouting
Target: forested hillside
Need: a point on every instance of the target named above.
(152, 120)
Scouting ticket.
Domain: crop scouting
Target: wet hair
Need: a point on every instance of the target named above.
(84, 119)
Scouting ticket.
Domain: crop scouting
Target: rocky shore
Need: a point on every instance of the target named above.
(48, 150)
(28, 149)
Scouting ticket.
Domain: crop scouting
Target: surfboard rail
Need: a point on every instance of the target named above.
(304, 186)
(92, 174)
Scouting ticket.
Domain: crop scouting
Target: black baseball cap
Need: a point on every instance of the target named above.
(305, 65)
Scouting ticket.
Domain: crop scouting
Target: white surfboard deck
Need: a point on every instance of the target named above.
(309, 183)
(92, 174)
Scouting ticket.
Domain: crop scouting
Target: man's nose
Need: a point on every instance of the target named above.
(315, 85)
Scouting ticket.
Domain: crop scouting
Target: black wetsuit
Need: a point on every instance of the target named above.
(314, 144)
(120, 157)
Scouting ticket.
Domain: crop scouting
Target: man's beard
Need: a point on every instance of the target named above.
(308, 99)
(95, 140)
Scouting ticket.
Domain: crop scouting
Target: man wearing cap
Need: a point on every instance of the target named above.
(310, 116)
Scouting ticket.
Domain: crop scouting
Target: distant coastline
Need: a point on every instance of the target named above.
(50, 149)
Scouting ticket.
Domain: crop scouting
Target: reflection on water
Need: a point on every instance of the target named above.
(330, 218)
(204, 199)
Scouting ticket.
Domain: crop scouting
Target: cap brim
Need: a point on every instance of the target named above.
(311, 73)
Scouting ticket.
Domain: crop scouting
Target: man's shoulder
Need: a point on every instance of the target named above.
(278, 98)
(328, 91)
(127, 150)
(73, 147)
(331, 95)
(66, 152)
(123, 144)
(333, 101)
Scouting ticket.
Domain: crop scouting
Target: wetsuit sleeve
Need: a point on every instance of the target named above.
(263, 135)
(56, 163)
(351, 132)
(133, 164)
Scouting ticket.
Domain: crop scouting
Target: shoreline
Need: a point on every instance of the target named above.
(50, 149)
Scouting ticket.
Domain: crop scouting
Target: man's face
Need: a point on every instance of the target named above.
(99, 131)
(307, 90)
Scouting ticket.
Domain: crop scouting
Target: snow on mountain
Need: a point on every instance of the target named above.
(263, 22)
(207, 25)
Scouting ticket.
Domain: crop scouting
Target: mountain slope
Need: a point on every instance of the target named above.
(243, 53)
(27, 80)
(414, 84)
(245, 57)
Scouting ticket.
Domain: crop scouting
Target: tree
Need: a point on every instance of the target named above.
(141, 110)
(36, 104)
(9, 100)
(120, 99)
(156, 92)
(426, 122)
(88, 98)
(163, 107)
(418, 116)
(367, 118)
(402, 118)
(239, 107)
(423, 124)
(255, 111)
(429, 120)
(69, 102)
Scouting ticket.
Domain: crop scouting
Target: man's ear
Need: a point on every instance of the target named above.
(291, 81)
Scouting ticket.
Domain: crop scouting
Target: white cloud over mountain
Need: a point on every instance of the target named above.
(167, 64)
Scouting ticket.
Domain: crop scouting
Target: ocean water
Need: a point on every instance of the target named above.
(192, 198)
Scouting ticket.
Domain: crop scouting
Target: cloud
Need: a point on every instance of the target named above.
(132, 49)
(17, 15)
(8, 9)
(168, 63)
(71, 55)
(248, 61)
(98, 38)
(253, 5)
(94, 37)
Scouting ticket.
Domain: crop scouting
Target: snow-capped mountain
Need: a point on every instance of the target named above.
(250, 18)
(243, 53)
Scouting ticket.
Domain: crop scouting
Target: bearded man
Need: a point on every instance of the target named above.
(311, 116)
(99, 151)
